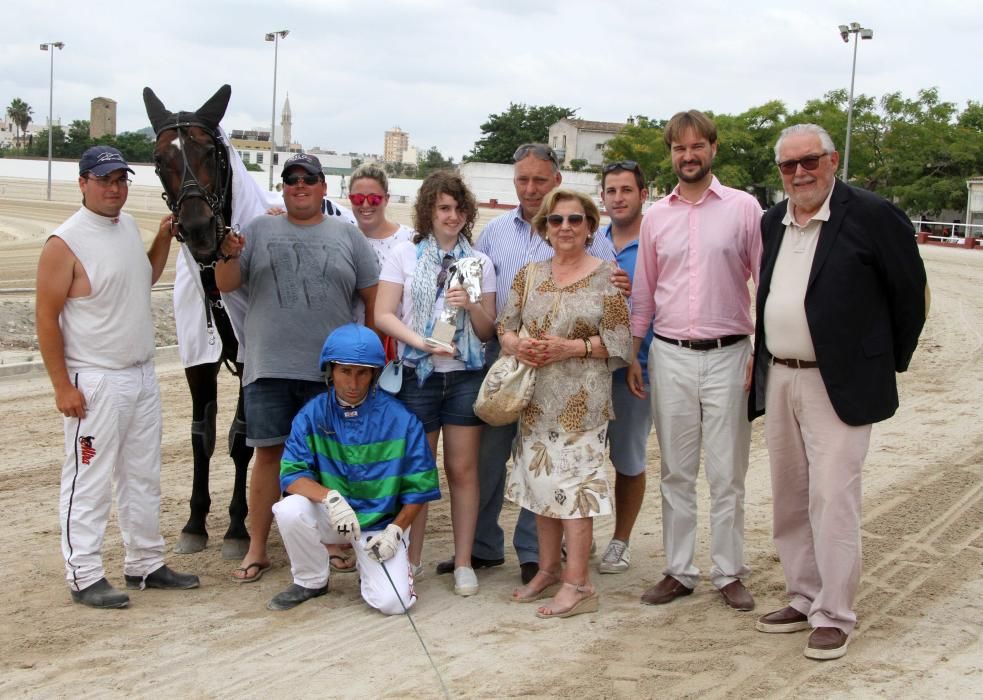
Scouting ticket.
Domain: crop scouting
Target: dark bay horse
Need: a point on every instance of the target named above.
(195, 167)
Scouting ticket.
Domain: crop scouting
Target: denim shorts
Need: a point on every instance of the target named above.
(271, 405)
(628, 433)
(446, 398)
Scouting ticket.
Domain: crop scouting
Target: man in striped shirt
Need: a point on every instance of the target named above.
(358, 469)
(511, 243)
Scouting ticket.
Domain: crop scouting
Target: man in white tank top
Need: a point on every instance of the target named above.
(96, 334)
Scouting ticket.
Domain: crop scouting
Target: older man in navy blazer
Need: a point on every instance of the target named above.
(841, 302)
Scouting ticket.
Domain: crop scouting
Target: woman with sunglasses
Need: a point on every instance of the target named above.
(440, 384)
(369, 196)
(577, 322)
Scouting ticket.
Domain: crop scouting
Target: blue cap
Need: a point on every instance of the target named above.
(352, 344)
(102, 160)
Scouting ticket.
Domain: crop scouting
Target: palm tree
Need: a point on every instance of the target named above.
(19, 113)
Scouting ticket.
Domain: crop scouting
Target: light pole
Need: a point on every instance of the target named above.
(861, 33)
(275, 38)
(50, 47)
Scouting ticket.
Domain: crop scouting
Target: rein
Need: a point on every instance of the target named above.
(192, 187)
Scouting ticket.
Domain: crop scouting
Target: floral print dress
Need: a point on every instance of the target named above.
(558, 457)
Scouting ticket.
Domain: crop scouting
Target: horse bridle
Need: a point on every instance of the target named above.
(191, 187)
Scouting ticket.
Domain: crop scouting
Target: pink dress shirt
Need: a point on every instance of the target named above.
(694, 262)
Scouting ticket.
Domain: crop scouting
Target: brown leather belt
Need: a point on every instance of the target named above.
(709, 344)
(796, 364)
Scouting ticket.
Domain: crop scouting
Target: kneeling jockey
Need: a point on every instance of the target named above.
(357, 468)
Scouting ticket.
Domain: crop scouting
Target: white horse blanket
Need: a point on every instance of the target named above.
(197, 343)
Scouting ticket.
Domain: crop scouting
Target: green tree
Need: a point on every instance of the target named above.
(519, 124)
(135, 146)
(78, 138)
(433, 160)
(642, 143)
(578, 164)
(38, 146)
(19, 112)
(745, 156)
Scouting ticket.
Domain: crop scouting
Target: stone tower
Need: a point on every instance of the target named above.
(102, 117)
(286, 121)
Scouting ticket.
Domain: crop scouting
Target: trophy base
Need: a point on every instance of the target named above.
(439, 344)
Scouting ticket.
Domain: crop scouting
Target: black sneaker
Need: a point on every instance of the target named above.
(163, 578)
(294, 596)
(101, 594)
(447, 566)
(528, 571)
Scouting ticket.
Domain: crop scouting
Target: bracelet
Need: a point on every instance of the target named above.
(588, 350)
(226, 258)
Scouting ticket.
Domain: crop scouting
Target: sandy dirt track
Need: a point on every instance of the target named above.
(920, 612)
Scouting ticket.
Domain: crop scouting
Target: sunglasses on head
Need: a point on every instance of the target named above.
(358, 200)
(556, 220)
(538, 150)
(620, 165)
(788, 167)
(294, 178)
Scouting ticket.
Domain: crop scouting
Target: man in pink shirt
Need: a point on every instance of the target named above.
(698, 248)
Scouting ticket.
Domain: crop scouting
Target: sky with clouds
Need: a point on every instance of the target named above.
(438, 68)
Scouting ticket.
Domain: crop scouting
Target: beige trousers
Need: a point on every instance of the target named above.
(816, 462)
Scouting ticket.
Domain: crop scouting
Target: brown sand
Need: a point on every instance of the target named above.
(920, 618)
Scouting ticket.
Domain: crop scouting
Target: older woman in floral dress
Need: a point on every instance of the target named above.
(579, 334)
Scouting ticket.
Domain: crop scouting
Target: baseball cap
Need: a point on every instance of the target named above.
(303, 160)
(102, 160)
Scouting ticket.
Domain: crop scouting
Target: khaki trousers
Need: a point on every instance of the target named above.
(816, 463)
(699, 402)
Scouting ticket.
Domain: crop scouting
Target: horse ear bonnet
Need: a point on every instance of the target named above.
(210, 114)
(159, 116)
(213, 110)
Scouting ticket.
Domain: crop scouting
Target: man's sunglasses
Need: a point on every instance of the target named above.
(538, 150)
(629, 165)
(556, 220)
(358, 200)
(788, 167)
(295, 178)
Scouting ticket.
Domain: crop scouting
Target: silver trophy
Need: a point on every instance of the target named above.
(466, 273)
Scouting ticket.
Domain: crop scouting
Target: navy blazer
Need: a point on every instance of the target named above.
(864, 303)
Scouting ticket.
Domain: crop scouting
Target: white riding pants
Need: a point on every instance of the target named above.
(306, 530)
(117, 441)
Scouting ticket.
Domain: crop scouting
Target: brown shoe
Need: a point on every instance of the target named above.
(788, 619)
(737, 596)
(827, 643)
(665, 591)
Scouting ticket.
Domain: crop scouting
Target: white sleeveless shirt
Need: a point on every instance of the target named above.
(111, 328)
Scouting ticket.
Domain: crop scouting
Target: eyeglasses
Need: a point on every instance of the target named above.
(788, 167)
(539, 150)
(307, 179)
(556, 220)
(358, 200)
(442, 275)
(106, 183)
(621, 165)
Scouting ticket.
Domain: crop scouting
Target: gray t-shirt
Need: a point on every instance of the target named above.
(302, 283)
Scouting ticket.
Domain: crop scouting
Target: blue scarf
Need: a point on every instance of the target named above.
(424, 292)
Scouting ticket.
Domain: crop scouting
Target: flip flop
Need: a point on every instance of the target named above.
(246, 578)
(344, 560)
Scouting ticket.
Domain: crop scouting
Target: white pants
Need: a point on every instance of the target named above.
(816, 466)
(698, 399)
(306, 530)
(117, 441)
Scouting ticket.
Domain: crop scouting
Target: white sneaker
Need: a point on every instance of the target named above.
(417, 570)
(616, 558)
(465, 581)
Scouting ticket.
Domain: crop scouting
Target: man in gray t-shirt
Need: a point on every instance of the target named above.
(304, 272)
